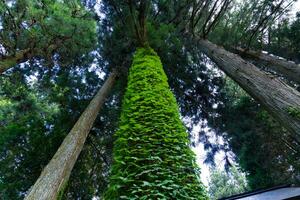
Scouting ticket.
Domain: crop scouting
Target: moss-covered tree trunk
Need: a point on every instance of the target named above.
(55, 175)
(152, 158)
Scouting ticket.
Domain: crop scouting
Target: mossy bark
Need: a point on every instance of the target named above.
(152, 158)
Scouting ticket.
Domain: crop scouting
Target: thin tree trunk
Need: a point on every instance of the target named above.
(10, 61)
(287, 68)
(55, 175)
(276, 96)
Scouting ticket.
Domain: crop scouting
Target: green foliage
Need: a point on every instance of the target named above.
(284, 39)
(36, 127)
(157, 34)
(152, 159)
(20, 104)
(26, 118)
(30, 140)
(294, 112)
(264, 150)
(46, 28)
(253, 23)
(62, 191)
(225, 184)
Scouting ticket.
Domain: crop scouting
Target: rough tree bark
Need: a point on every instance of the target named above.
(287, 68)
(10, 61)
(55, 175)
(281, 100)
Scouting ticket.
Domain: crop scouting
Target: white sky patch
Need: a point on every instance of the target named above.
(94, 67)
(99, 72)
(205, 169)
(32, 79)
(9, 3)
(201, 155)
(98, 9)
(295, 8)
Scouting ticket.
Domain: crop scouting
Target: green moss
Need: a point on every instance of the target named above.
(61, 192)
(294, 112)
(152, 159)
(7, 64)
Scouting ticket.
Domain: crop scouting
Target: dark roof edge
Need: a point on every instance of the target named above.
(254, 192)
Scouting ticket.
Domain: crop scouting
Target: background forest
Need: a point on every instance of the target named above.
(55, 56)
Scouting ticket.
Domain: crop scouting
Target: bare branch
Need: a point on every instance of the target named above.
(209, 17)
(216, 19)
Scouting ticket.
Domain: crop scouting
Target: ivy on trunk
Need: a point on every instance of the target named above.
(152, 158)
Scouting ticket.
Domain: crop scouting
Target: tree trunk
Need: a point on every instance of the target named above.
(10, 61)
(281, 100)
(287, 68)
(152, 159)
(54, 177)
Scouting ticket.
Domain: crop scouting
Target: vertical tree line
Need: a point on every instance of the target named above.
(151, 155)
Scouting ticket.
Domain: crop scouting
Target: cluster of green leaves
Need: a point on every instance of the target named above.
(152, 159)
(265, 151)
(251, 23)
(295, 112)
(26, 119)
(226, 183)
(46, 28)
(284, 39)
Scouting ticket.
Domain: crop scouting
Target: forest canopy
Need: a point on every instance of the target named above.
(105, 98)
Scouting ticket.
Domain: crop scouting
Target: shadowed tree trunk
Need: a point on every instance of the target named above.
(281, 100)
(54, 177)
(288, 69)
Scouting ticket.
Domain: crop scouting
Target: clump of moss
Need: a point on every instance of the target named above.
(152, 159)
(294, 112)
(61, 192)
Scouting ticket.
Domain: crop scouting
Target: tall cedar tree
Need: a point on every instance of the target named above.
(152, 159)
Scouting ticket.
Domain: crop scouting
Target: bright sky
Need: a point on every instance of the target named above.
(296, 8)
(200, 157)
